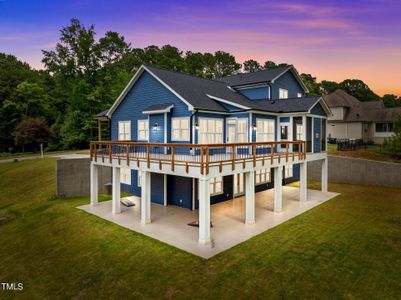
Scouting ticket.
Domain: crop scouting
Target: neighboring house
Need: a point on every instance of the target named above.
(199, 142)
(369, 121)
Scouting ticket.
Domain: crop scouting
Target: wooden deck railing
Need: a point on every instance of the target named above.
(204, 155)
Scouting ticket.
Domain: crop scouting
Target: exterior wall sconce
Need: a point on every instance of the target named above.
(254, 126)
(155, 126)
(196, 126)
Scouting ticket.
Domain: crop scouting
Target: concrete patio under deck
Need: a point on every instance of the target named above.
(169, 224)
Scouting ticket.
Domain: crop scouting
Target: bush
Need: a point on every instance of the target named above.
(393, 145)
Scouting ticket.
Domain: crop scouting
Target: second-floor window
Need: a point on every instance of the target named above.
(124, 130)
(210, 131)
(180, 129)
(264, 130)
(143, 130)
(283, 94)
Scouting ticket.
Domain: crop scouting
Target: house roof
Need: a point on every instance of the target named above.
(262, 76)
(102, 114)
(206, 94)
(158, 108)
(358, 111)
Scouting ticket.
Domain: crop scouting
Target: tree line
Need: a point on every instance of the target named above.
(83, 75)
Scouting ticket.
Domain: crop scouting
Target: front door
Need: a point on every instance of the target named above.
(284, 135)
(238, 184)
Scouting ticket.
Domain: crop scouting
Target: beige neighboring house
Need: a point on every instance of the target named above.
(353, 119)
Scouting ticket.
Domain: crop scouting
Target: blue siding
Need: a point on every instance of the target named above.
(179, 191)
(287, 81)
(318, 110)
(157, 188)
(255, 93)
(316, 131)
(285, 120)
(156, 135)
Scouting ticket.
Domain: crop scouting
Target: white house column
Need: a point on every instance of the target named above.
(204, 211)
(116, 208)
(94, 177)
(250, 197)
(303, 181)
(304, 134)
(145, 197)
(278, 189)
(325, 175)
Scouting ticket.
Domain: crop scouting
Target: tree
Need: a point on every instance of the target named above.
(393, 144)
(251, 65)
(391, 100)
(329, 87)
(269, 64)
(32, 132)
(224, 64)
(195, 64)
(359, 90)
(311, 83)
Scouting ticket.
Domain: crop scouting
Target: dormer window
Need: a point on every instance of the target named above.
(283, 94)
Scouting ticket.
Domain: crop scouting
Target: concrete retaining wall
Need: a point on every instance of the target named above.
(73, 177)
(358, 171)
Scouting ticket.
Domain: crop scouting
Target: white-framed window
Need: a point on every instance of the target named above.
(138, 179)
(143, 130)
(262, 176)
(125, 176)
(242, 130)
(384, 127)
(288, 171)
(282, 93)
(299, 132)
(216, 185)
(180, 129)
(265, 130)
(210, 131)
(299, 95)
(124, 130)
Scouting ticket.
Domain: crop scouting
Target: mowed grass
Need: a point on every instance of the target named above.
(349, 247)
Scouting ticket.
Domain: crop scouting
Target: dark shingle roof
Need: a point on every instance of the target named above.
(288, 105)
(102, 114)
(253, 77)
(358, 111)
(157, 107)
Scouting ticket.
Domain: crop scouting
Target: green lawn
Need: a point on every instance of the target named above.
(373, 152)
(349, 247)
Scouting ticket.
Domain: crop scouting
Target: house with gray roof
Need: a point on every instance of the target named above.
(192, 142)
(353, 119)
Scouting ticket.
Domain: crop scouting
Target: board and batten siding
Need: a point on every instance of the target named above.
(255, 93)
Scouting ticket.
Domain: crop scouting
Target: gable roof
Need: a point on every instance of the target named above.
(205, 94)
(262, 76)
(358, 111)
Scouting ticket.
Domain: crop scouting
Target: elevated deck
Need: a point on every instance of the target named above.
(200, 160)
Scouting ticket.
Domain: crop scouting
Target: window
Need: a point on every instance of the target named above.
(384, 127)
(242, 130)
(288, 172)
(210, 131)
(264, 130)
(124, 130)
(299, 132)
(283, 94)
(143, 130)
(180, 129)
(262, 176)
(125, 176)
(299, 95)
(216, 185)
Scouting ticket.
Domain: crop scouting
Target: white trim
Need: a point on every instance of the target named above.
(166, 110)
(313, 135)
(215, 133)
(137, 129)
(274, 127)
(250, 128)
(282, 91)
(165, 128)
(165, 190)
(193, 193)
(134, 78)
(250, 86)
(118, 131)
(325, 107)
(228, 102)
(214, 186)
(189, 129)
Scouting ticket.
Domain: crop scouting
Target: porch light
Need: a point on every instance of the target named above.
(196, 126)
(254, 126)
(155, 126)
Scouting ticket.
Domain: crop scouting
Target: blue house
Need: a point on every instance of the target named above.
(192, 142)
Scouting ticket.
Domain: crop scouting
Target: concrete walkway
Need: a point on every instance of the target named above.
(169, 224)
(60, 155)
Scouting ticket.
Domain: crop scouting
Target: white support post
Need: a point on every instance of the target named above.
(304, 133)
(94, 189)
(116, 207)
(204, 211)
(278, 189)
(325, 175)
(250, 197)
(145, 198)
(303, 181)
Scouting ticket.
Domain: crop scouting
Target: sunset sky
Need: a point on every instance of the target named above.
(333, 40)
